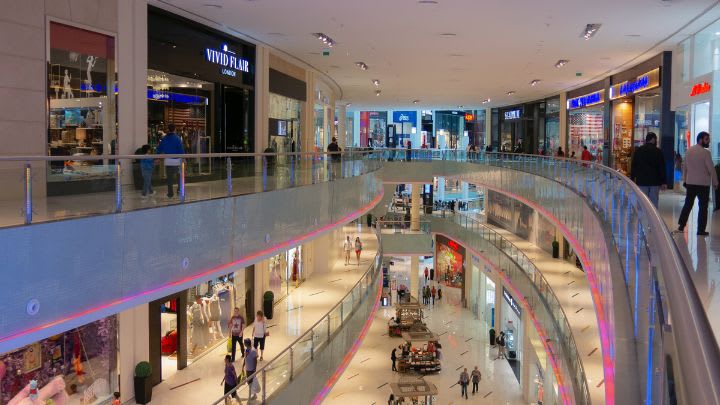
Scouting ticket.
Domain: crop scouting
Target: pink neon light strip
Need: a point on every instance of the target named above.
(349, 356)
(289, 243)
(608, 361)
(549, 347)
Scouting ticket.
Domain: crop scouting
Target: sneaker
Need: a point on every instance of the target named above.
(703, 233)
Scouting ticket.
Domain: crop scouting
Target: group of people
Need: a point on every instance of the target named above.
(249, 352)
(170, 144)
(475, 376)
(348, 247)
(429, 294)
(461, 205)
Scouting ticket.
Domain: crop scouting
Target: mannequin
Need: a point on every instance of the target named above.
(198, 320)
(215, 312)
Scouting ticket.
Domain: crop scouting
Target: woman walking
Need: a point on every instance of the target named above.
(463, 381)
(230, 380)
(259, 333)
(358, 249)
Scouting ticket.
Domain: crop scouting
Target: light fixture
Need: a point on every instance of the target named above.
(460, 107)
(348, 104)
(416, 101)
(534, 82)
(376, 82)
(487, 100)
(427, 2)
(361, 65)
(561, 63)
(590, 30)
(377, 92)
(511, 92)
(325, 39)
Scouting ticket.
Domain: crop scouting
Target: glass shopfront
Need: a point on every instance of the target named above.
(82, 101)
(552, 127)
(285, 273)
(285, 109)
(586, 115)
(77, 367)
(405, 123)
(450, 130)
(511, 129)
(509, 214)
(512, 326)
(373, 126)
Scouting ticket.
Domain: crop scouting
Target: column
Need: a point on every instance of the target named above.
(415, 207)
(415, 277)
(464, 186)
(560, 238)
(527, 362)
(563, 127)
(133, 346)
(488, 126)
(262, 105)
(441, 188)
(343, 141)
(132, 80)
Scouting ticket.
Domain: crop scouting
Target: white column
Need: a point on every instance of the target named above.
(488, 126)
(308, 135)
(563, 128)
(133, 339)
(262, 97)
(441, 188)
(415, 277)
(132, 79)
(464, 186)
(415, 207)
(528, 360)
(342, 137)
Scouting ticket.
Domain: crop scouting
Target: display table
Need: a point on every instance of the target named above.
(422, 360)
(409, 314)
(413, 390)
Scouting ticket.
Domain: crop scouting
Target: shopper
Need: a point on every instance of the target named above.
(476, 377)
(572, 155)
(698, 175)
(427, 274)
(236, 326)
(393, 357)
(250, 365)
(171, 144)
(560, 152)
(648, 169)
(433, 293)
(260, 333)
(439, 292)
(230, 380)
(146, 169)
(347, 247)
(116, 398)
(464, 381)
(500, 341)
(335, 157)
(391, 399)
(358, 249)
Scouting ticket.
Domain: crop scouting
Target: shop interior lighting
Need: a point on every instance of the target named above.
(361, 65)
(511, 92)
(535, 82)
(376, 82)
(590, 31)
(561, 63)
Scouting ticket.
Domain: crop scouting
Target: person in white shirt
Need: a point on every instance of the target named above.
(347, 247)
(698, 176)
(259, 332)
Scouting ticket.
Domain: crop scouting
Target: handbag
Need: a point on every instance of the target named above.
(267, 334)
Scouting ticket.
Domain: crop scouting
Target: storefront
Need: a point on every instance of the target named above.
(696, 90)
(450, 132)
(84, 358)
(285, 273)
(512, 326)
(201, 81)
(449, 262)
(286, 105)
(510, 127)
(406, 124)
(509, 214)
(82, 101)
(549, 145)
(324, 116)
(373, 128)
(586, 111)
(482, 293)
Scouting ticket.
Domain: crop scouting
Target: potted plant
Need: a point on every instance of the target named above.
(555, 249)
(268, 299)
(143, 384)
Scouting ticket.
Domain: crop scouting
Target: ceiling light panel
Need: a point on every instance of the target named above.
(561, 63)
(325, 39)
(590, 30)
(511, 92)
(535, 82)
(361, 65)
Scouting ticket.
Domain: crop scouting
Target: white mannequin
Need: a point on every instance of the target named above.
(213, 304)
(67, 90)
(91, 60)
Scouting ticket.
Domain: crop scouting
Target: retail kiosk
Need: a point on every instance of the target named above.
(421, 353)
(417, 391)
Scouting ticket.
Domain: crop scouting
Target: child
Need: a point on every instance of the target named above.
(116, 398)
(146, 168)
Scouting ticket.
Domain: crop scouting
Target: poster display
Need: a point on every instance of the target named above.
(510, 214)
(450, 257)
(546, 234)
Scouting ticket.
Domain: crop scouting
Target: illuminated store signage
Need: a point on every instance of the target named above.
(644, 82)
(512, 303)
(160, 95)
(404, 116)
(586, 100)
(512, 115)
(453, 245)
(700, 88)
(469, 117)
(229, 64)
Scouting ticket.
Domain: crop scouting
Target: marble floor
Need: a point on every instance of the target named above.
(199, 383)
(367, 377)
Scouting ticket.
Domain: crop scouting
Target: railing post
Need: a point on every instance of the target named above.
(291, 363)
(118, 187)
(342, 312)
(329, 320)
(312, 345)
(264, 387)
(264, 172)
(28, 193)
(228, 174)
(182, 181)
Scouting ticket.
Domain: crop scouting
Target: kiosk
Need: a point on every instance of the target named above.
(414, 391)
(423, 358)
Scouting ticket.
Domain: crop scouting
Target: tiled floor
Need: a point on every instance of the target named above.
(293, 316)
(367, 377)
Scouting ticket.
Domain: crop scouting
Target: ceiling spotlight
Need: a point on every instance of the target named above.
(590, 31)
(361, 65)
(427, 2)
(416, 101)
(487, 100)
(534, 82)
(376, 82)
(511, 92)
(460, 107)
(325, 39)
(348, 104)
(377, 92)
(561, 63)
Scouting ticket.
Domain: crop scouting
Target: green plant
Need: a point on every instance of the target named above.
(143, 369)
(268, 296)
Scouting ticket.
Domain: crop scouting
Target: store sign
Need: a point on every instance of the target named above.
(229, 64)
(160, 95)
(700, 88)
(469, 117)
(453, 245)
(512, 114)
(404, 116)
(586, 100)
(644, 82)
(512, 303)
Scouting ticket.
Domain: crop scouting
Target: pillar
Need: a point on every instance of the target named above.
(415, 207)
(560, 238)
(415, 277)
(488, 126)
(132, 79)
(308, 124)
(441, 188)
(343, 141)
(133, 337)
(563, 128)
(262, 106)
(464, 186)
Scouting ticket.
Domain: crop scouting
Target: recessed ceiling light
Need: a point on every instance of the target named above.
(590, 30)
(632, 35)
(487, 100)
(377, 92)
(717, 33)
(535, 82)
(511, 92)
(427, 2)
(348, 104)
(361, 65)
(561, 63)
(376, 82)
(416, 101)
(324, 38)
(448, 34)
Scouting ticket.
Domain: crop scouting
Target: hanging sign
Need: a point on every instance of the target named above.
(469, 117)
(700, 88)
(643, 82)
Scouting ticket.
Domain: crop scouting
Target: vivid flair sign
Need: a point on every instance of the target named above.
(229, 63)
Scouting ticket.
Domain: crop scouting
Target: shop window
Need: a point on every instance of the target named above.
(285, 124)
(705, 46)
(373, 125)
(552, 126)
(82, 97)
(586, 129)
(85, 358)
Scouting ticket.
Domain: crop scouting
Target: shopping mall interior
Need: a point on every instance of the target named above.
(309, 202)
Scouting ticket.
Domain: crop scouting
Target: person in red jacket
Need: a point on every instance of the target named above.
(586, 155)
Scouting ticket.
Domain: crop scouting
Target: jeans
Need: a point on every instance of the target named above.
(475, 387)
(172, 176)
(703, 194)
(652, 192)
(237, 339)
(463, 390)
(147, 173)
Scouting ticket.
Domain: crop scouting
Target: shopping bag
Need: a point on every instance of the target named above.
(255, 386)
(229, 345)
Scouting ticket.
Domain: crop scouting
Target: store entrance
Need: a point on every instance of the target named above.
(237, 113)
(167, 326)
(510, 135)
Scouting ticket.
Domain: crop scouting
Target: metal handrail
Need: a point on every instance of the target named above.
(578, 360)
(41, 158)
(310, 332)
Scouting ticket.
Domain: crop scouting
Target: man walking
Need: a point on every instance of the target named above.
(648, 169)
(393, 357)
(335, 158)
(698, 175)
(171, 144)
(464, 381)
(476, 377)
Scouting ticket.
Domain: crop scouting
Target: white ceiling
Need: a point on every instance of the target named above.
(498, 46)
